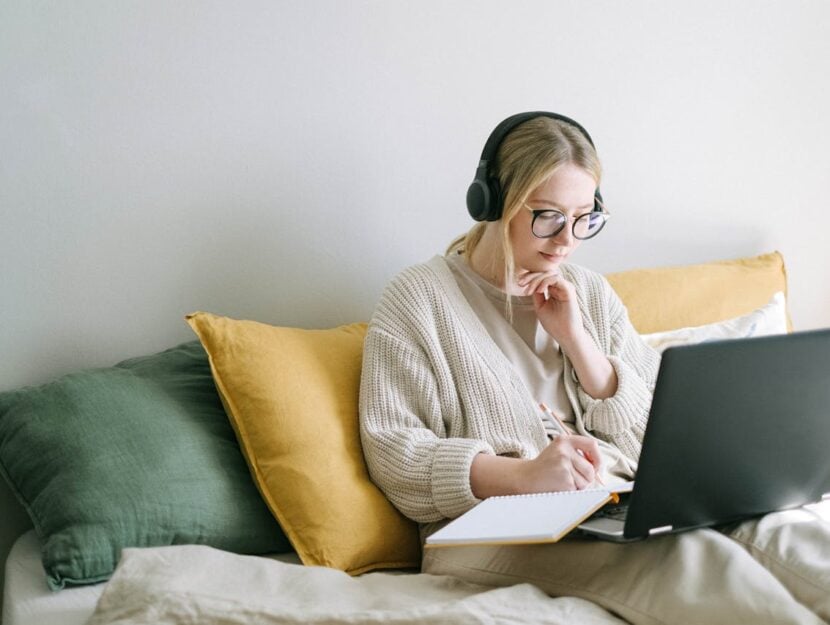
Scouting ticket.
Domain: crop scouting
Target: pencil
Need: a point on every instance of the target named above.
(566, 432)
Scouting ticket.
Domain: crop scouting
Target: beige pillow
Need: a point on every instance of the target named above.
(667, 298)
(292, 398)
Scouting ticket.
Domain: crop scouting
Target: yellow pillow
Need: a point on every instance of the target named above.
(668, 298)
(292, 398)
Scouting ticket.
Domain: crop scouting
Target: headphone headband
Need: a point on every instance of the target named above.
(484, 195)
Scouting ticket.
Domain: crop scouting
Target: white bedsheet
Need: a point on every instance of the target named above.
(27, 599)
(188, 584)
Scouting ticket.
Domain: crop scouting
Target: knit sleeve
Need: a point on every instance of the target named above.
(423, 473)
(621, 419)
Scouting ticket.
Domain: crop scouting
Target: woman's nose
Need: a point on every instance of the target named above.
(565, 235)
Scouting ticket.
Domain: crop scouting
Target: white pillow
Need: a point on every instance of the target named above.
(771, 318)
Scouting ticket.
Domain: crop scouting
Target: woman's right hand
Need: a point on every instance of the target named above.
(568, 463)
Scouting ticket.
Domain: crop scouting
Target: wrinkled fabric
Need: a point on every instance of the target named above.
(196, 584)
(770, 571)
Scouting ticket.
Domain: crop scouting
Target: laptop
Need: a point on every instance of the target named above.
(737, 428)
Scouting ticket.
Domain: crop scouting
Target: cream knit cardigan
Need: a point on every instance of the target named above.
(436, 390)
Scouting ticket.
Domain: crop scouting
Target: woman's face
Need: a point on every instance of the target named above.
(570, 190)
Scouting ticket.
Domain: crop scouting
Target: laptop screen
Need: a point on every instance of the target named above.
(737, 428)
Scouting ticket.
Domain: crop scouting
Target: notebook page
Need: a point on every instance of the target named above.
(543, 517)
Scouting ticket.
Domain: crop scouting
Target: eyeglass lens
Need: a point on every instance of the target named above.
(549, 223)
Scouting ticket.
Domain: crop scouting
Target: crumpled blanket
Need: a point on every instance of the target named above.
(197, 584)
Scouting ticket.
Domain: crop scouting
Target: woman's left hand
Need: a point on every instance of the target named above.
(555, 301)
(560, 317)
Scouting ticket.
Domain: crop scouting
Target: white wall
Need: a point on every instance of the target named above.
(280, 161)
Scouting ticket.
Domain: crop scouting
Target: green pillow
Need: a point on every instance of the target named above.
(139, 454)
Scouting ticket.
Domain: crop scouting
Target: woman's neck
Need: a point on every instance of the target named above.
(487, 258)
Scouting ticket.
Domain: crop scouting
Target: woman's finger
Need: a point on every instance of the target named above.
(589, 450)
(544, 283)
(559, 288)
(580, 482)
(584, 469)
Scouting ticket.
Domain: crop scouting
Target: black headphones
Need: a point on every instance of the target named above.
(484, 195)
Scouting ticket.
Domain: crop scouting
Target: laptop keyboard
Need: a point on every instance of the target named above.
(617, 512)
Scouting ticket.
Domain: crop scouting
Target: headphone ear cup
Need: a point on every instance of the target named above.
(484, 197)
(478, 199)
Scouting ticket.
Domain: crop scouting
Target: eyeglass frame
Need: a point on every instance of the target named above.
(538, 211)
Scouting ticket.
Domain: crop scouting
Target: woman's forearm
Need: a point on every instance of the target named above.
(596, 374)
(495, 475)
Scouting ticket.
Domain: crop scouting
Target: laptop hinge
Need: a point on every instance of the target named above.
(660, 530)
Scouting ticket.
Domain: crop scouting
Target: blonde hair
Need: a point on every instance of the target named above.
(528, 156)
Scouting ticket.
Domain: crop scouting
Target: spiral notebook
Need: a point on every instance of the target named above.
(524, 519)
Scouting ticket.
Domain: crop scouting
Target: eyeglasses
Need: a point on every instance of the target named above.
(549, 222)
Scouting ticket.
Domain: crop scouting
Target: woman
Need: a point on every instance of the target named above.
(463, 349)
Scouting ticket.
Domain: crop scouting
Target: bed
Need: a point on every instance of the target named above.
(172, 484)
(30, 600)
